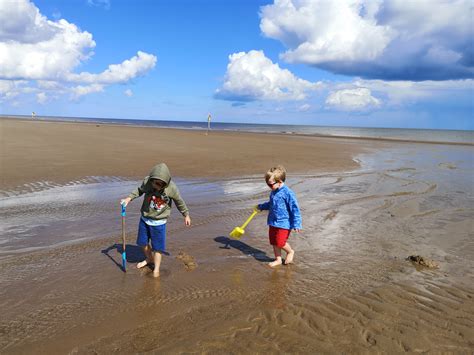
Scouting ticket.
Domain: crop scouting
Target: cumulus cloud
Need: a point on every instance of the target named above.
(363, 95)
(398, 93)
(118, 73)
(128, 93)
(352, 99)
(32, 47)
(384, 39)
(252, 76)
(47, 53)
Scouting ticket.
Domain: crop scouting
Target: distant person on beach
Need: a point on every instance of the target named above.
(159, 192)
(208, 124)
(283, 214)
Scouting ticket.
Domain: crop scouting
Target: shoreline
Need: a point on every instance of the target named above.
(83, 120)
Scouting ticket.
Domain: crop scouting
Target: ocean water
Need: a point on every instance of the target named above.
(404, 134)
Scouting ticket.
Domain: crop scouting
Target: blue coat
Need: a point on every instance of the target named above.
(283, 210)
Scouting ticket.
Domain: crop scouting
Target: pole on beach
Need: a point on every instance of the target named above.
(208, 124)
(124, 253)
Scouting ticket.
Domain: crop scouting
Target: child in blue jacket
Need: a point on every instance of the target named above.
(283, 214)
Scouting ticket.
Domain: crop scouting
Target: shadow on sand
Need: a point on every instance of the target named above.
(246, 249)
(134, 254)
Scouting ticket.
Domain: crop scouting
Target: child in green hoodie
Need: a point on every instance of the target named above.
(159, 192)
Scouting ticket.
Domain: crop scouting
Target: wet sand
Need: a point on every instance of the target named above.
(350, 289)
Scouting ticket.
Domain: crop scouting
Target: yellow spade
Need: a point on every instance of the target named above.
(238, 232)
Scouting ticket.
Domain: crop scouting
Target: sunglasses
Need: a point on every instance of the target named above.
(271, 184)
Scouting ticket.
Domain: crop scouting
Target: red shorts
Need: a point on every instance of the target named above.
(278, 236)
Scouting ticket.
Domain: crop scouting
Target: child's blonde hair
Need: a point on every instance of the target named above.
(278, 173)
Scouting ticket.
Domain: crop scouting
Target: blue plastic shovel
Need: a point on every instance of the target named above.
(124, 253)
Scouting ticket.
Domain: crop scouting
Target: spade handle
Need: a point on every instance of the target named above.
(248, 219)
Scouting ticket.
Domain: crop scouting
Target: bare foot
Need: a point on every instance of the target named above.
(142, 264)
(275, 263)
(156, 273)
(289, 257)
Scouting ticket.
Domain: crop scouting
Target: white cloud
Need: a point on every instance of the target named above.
(41, 97)
(352, 99)
(45, 52)
(399, 93)
(32, 47)
(99, 3)
(304, 108)
(385, 39)
(49, 85)
(11, 89)
(81, 90)
(118, 73)
(321, 31)
(370, 94)
(128, 92)
(252, 76)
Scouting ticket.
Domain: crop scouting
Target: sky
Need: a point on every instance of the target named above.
(358, 63)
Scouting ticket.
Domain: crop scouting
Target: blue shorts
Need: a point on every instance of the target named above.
(157, 235)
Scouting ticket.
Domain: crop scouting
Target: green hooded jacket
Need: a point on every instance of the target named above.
(157, 204)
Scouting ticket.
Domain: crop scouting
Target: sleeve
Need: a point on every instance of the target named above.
(178, 200)
(264, 206)
(138, 191)
(294, 211)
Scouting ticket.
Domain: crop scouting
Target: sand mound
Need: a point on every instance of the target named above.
(419, 260)
(188, 260)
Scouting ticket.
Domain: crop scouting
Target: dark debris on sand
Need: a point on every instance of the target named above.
(419, 260)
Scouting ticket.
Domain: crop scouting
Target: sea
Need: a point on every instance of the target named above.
(398, 134)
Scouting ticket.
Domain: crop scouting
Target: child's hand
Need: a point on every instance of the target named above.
(125, 201)
(297, 230)
(256, 209)
(187, 221)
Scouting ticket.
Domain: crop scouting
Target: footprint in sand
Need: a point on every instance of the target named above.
(330, 216)
(187, 260)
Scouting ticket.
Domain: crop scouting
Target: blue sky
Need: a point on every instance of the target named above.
(369, 63)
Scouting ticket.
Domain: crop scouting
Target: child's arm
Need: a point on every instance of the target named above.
(180, 204)
(264, 206)
(134, 194)
(294, 211)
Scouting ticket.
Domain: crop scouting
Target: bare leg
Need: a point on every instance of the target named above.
(157, 259)
(290, 254)
(278, 260)
(148, 257)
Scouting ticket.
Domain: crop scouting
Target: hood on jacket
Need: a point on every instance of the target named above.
(161, 172)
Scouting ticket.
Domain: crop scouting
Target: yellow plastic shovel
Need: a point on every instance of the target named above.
(238, 232)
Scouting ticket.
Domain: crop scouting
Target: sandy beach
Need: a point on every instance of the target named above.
(366, 206)
(65, 151)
